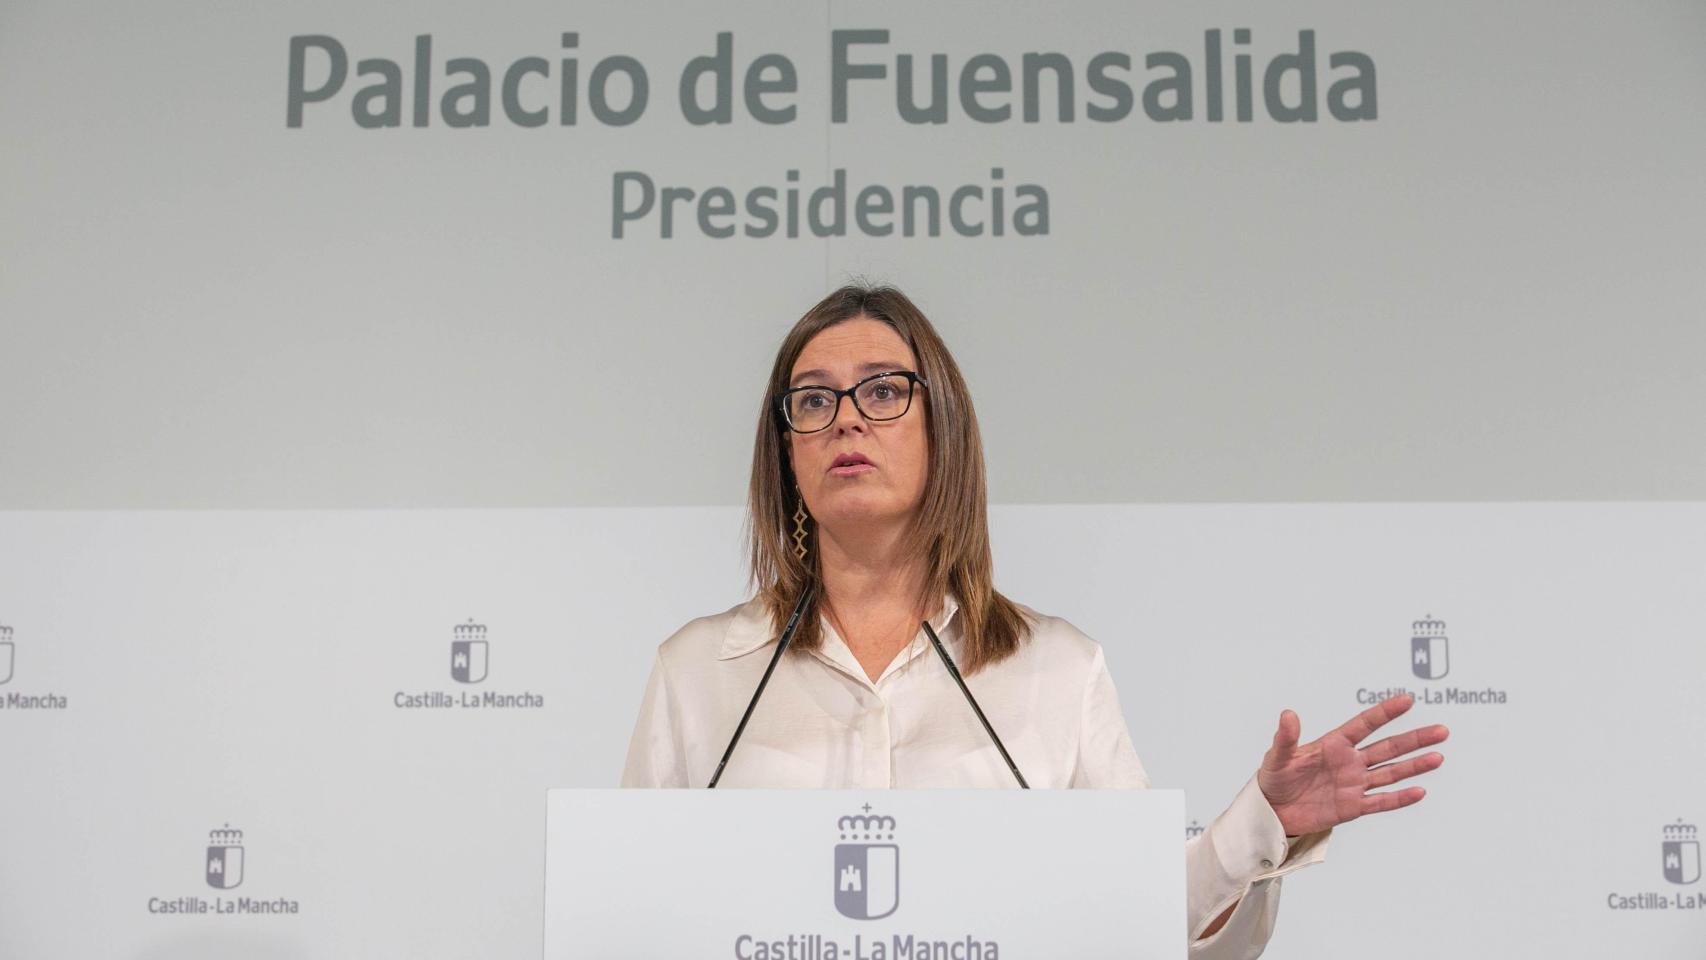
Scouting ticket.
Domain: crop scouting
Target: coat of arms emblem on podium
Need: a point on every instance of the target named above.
(224, 858)
(867, 867)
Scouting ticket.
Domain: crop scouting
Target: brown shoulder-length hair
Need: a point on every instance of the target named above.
(951, 528)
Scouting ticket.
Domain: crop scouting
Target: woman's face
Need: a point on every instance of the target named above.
(891, 488)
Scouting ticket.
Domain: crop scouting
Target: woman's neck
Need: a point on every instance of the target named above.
(873, 594)
(865, 568)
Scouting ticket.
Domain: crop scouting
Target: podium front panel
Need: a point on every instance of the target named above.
(865, 875)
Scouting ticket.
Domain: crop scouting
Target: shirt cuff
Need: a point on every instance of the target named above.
(1238, 860)
(1251, 843)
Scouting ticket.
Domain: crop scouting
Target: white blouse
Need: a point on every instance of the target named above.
(823, 724)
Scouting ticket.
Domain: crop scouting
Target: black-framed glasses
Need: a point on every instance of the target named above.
(880, 396)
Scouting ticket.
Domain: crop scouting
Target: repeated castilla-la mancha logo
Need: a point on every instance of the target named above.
(1681, 852)
(225, 858)
(469, 653)
(1428, 655)
(470, 661)
(1679, 865)
(867, 867)
(225, 866)
(1430, 649)
(14, 698)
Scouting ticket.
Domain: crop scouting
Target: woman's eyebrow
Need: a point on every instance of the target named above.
(872, 367)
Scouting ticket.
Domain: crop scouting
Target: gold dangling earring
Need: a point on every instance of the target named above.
(799, 524)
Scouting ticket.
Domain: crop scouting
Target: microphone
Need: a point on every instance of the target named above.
(781, 645)
(954, 672)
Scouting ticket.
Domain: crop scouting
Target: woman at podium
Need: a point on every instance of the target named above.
(868, 532)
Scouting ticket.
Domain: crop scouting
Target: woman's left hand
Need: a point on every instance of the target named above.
(1326, 782)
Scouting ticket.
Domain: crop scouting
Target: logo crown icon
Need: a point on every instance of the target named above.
(1428, 627)
(865, 826)
(225, 837)
(470, 630)
(1680, 831)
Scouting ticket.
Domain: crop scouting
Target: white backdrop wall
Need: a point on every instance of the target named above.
(1489, 291)
(1486, 288)
(255, 670)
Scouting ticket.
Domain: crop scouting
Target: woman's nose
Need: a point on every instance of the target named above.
(847, 416)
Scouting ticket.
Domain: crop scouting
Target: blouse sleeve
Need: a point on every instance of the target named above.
(1239, 858)
(655, 757)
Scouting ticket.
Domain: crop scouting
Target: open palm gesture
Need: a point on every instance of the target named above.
(1326, 782)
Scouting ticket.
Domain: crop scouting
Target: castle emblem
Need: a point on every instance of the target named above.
(224, 858)
(1430, 657)
(867, 867)
(5, 653)
(468, 653)
(1681, 852)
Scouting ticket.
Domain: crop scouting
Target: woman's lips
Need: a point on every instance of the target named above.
(850, 469)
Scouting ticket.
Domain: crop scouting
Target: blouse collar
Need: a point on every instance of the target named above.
(750, 628)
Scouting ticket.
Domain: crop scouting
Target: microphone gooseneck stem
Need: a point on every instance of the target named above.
(781, 645)
(954, 672)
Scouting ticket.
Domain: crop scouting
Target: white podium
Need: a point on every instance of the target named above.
(865, 875)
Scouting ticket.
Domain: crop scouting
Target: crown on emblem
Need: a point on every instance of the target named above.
(1428, 627)
(470, 631)
(866, 826)
(5, 632)
(225, 837)
(1680, 830)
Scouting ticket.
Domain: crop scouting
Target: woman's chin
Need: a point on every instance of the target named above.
(851, 509)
